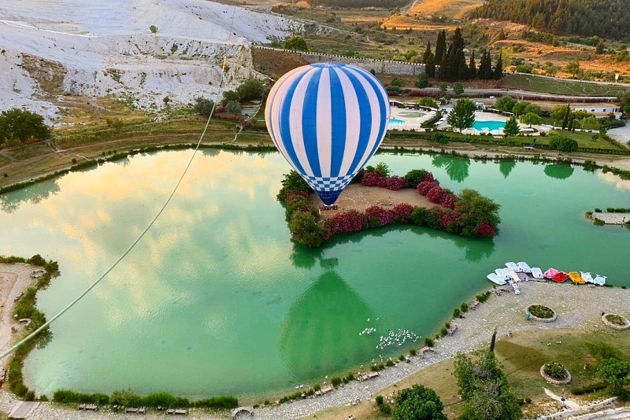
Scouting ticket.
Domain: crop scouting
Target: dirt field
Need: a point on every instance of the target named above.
(359, 197)
(452, 8)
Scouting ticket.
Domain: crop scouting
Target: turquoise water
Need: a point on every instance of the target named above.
(490, 125)
(217, 300)
(395, 121)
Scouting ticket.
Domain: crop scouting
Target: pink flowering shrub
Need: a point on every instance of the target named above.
(436, 194)
(349, 221)
(371, 179)
(446, 216)
(378, 216)
(428, 177)
(295, 195)
(395, 183)
(449, 201)
(402, 212)
(425, 186)
(485, 228)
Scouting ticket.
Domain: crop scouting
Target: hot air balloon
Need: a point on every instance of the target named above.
(327, 120)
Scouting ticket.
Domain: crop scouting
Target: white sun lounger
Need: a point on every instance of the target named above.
(537, 273)
(512, 266)
(599, 280)
(525, 268)
(587, 277)
(494, 278)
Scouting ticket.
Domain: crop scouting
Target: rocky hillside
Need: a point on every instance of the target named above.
(141, 50)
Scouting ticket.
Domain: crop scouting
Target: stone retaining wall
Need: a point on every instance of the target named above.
(399, 68)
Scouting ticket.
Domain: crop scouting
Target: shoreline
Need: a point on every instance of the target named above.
(469, 150)
(578, 308)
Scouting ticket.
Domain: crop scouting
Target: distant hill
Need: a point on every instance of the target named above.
(388, 4)
(605, 18)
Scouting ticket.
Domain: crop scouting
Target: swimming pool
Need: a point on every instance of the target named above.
(395, 121)
(490, 125)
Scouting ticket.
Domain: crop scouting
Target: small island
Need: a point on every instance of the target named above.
(375, 198)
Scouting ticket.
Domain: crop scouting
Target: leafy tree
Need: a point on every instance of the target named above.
(233, 107)
(484, 388)
(306, 229)
(511, 127)
(558, 112)
(428, 102)
(476, 208)
(229, 95)
(153, 29)
(574, 68)
(297, 43)
(616, 373)
(458, 88)
(485, 66)
(250, 89)
(292, 182)
(382, 169)
(443, 88)
(589, 123)
(530, 118)
(423, 80)
(563, 143)
(418, 403)
(203, 106)
(463, 114)
(22, 125)
(524, 107)
(505, 103)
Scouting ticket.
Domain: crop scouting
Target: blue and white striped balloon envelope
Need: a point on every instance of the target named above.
(327, 120)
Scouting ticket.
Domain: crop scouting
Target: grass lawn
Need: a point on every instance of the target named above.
(521, 357)
(544, 85)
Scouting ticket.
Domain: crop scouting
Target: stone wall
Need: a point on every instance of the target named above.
(399, 68)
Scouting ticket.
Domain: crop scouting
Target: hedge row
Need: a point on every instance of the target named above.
(127, 398)
(25, 307)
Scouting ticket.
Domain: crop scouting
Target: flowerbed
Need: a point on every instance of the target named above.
(468, 214)
(542, 313)
(555, 373)
(615, 321)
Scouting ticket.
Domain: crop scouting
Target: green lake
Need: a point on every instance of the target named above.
(218, 300)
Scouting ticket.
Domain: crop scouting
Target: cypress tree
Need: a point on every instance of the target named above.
(429, 61)
(498, 69)
(472, 67)
(440, 47)
(565, 121)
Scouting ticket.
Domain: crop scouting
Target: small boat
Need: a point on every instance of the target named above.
(494, 278)
(576, 278)
(599, 280)
(525, 268)
(514, 278)
(502, 273)
(587, 277)
(560, 277)
(513, 266)
(537, 273)
(549, 274)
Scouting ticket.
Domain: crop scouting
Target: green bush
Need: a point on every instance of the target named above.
(464, 307)
(306, 229)
(418, 403)
(250, 89)
(428, 342)
(414, 177)
(563, 143)
(335, 381)
(588, 389)
(456, 312)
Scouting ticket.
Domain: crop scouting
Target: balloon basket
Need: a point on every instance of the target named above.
(324, 207)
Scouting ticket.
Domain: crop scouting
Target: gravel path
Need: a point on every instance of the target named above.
(578, 307)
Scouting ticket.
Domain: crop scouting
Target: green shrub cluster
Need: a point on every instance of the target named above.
(25, 308)
(483, 297)
(588, 389)
(127, 398)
